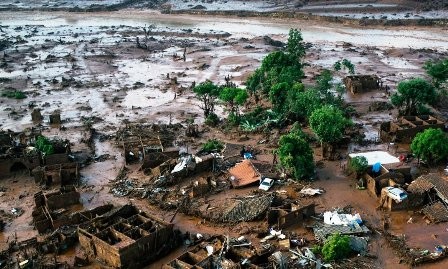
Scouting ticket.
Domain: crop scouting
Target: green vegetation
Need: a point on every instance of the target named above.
(346, 64)
(438, 71)
(14, 94)
(212, 145)
(295, 155)
(212, 119)
(44, 145)
(431, 145)
(329, 124)
(412, 95)
(359, 165)
(207, 92)
(234, 98)
(336, 247)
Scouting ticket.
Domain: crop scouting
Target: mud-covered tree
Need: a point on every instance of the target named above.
(412, 96)
(438, 71)
(329, 124)
(207, 92)
(430, 145)
(295, 155)
(234, 98)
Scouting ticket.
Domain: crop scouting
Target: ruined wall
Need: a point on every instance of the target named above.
(57, 158)
(284, 218)
(7, 164)
(62, 200)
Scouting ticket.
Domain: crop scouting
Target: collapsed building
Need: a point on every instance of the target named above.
(126, 237)
(362, 83)
(405, 128)
(45, 214)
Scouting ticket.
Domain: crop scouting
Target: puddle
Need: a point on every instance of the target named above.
(147, 97)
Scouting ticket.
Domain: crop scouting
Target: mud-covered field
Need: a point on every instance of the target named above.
(107, 69)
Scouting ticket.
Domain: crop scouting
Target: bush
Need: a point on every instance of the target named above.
(336, 247)
(212, 145)
(359, 164)
(44, 145)
(14, 94)
(212, 119)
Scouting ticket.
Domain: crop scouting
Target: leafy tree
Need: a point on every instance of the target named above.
(430, 145)
(278, 96)
(212, 145)
(207, 92)
(295, 155)
(412, 95)
(438, 71)
(296, 46)
(302, 103)
(346, 64)
(359, 164)
(234, 97)
(336, 247)
(44, 145)
(328, 123)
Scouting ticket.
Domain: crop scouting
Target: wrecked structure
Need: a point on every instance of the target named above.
(46, 204)
(126, 237)
(244, 174)
(62, 174)
(290, 214)
(405, 128)
(362, 83)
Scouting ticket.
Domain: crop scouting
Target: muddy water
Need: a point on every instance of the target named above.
(395, 37)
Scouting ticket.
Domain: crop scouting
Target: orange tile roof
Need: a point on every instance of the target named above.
(244, 173)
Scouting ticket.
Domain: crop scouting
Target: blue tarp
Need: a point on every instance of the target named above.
(376, 167)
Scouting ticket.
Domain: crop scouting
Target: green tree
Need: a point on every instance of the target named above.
(438, 71)
(212, 145)
(207, 92)
(359, 164)
(278, 96)
(336, 247)
(234, 97)
(346, 64)
(301, 104)
(412, 95)
(430, 145)
(328, 123)
(296, 46)
(296, 156)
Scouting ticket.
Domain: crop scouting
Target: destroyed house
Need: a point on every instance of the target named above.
(202, 256)
(126, 238)
(360, 84)
(290, 214)
(46, 203)
(62, 174)
(404, 129)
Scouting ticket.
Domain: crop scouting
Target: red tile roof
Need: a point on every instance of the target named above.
(243, 174)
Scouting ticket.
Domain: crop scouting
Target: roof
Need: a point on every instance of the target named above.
(436, 212)
(439, 183)
(420, 186)
(244, 173)
(374, 157)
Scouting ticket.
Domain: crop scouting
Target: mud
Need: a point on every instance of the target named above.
(92, 70)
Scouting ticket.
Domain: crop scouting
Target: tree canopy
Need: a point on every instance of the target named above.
(412, 95)
(438, 71)
(234, 97)
(430, 145)
(295, 155)
(207, 92)
(44, 145)
(336, 247)
(328, 123)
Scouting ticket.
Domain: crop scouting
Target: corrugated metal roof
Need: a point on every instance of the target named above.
(244, 174)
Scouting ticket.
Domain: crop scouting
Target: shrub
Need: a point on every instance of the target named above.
(14, 94)
(44, 145)
(359, 164)
(212, 119)
(336, 247)
(212, 145)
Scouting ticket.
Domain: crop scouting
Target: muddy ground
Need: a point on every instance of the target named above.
(92, 70)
